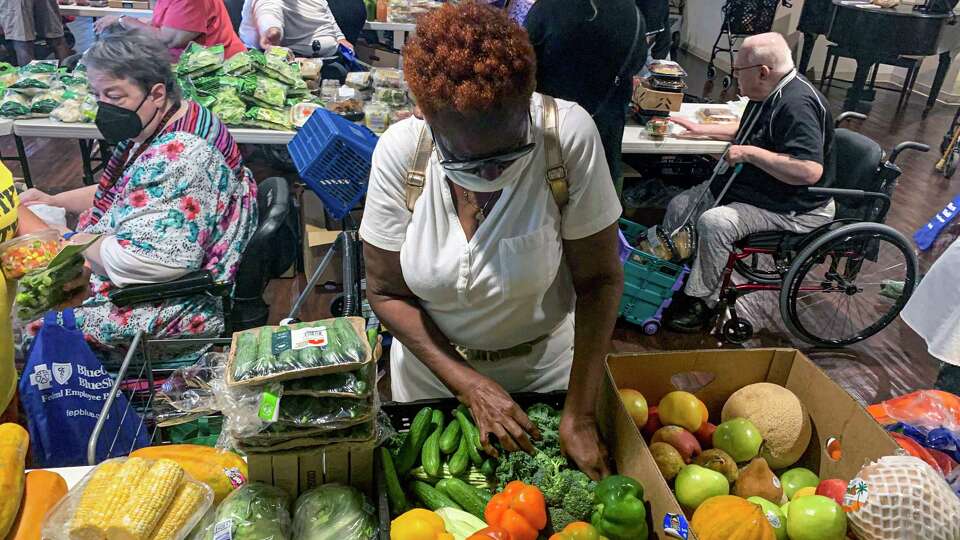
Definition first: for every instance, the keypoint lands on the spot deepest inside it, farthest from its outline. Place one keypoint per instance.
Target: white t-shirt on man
(508, 285)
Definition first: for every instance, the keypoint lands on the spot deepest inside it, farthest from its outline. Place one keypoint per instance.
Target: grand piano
(871, 34)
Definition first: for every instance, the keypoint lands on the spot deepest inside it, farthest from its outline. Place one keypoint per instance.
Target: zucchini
(450, 439)
(431, 497)
(463, 494)
(461, 458)
(395, 494)
(419, 431)
(472, 435)
(430, 456)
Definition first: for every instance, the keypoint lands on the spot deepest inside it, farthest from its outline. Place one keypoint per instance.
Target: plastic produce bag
(44, 103)
(255, 511)
(14, 105)
(78, 514)
(41, 290)
(229, 107)
(76, 108)
(188, 393)
(274, 65)
(332, 413)
(349, 384)
(8, 74)
(387, 78)
(238, 64)
(929, 409)
(334, 512)
(269, 93)
(300, 350)
(198, 60)
(267, 118)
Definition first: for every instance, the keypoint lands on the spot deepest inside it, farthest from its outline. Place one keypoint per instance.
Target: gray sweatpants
(718, 228)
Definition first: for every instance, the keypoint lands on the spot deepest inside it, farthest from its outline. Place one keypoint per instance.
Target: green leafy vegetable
(257, 512)
(334, 512)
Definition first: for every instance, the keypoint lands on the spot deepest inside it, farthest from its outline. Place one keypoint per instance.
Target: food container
(27, 253)
(667, 68)
(717, 115)
(376, 117)
(658, 127)
(328, 89)
(300, 113)
(358, 79)
(667, 84)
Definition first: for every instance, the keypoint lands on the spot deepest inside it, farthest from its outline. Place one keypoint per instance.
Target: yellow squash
(223, 471)
(14, 441)
(43, 490)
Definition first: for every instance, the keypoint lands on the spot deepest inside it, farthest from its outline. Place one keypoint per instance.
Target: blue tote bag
(63, 389)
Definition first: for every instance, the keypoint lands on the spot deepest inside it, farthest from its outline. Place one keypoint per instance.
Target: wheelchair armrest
(189, 285)
(907, 145)
(854, 194)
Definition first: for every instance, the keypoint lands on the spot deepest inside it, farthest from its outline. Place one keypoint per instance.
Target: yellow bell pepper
(419, 524)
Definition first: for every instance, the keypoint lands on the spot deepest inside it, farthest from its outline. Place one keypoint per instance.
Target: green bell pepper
(618, 510)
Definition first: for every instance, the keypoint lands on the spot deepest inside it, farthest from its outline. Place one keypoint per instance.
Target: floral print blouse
(180, 204)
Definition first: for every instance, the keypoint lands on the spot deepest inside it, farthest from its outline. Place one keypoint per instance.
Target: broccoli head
(516, 466)
(560, 518)
(578, 500)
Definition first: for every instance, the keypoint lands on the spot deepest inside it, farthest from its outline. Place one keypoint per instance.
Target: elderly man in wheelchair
(771, 200)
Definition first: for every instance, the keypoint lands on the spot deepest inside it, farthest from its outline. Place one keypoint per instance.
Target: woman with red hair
(490, 234)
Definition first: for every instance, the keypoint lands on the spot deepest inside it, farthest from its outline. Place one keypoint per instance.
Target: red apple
(705, 435)
(832, 488)
(653, 422)
(679, 438)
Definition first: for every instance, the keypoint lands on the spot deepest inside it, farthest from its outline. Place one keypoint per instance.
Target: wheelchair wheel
(760, 268)
(832, 295)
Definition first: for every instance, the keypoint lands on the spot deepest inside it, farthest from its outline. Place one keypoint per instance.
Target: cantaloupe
(902, 497)
(779, 416)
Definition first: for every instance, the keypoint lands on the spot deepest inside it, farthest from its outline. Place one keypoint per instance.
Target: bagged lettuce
(267, 118)
(45, 102)
(269, 93)
(275, 66)
(198, 60)
(238, 64)
(76, 108)
(8, 74)
(14, 105)
(334, 512)
(229, 107)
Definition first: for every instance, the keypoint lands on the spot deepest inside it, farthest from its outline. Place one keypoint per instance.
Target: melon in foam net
(779, 416)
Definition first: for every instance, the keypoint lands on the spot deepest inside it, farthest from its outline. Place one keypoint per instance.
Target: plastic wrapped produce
(130, 498)
(198, 60)
(376, 116)
(393, 97)
(42, 290)
(14, 105)
(387, 78)
(28, 253)
(75, 108)
(229, 107)
(43, 103)
(255, 511)
(8, 74)
(301, 112)
(238, 64)
(267, 118)
(266, 93)
(301, 350)
(275, 67)
(334, 512)
(330, 412)
(358, 79)
(348, 384)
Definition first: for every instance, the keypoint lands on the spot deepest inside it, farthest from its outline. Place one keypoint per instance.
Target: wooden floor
(893, 362)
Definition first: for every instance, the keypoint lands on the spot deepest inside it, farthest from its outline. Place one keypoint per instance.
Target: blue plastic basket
(333, 156)
(648, 282)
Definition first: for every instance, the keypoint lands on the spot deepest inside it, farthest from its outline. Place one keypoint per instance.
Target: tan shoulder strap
(417, 174)
(556, 173)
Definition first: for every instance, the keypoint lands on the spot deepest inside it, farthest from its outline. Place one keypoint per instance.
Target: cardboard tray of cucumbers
(280, 353)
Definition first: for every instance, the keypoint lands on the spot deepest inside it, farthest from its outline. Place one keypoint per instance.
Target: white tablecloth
(47, 128)
(637, 141)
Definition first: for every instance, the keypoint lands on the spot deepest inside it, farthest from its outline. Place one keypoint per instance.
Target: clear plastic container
(377, 117)
(28, 253)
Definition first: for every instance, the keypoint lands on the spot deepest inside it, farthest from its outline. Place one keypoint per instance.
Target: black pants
(350, 16)
(610, 120)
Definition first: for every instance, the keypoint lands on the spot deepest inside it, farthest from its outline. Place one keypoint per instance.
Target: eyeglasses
(739, 69)
(500, 159)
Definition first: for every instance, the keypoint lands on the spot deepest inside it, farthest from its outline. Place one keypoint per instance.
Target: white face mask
(478, 184)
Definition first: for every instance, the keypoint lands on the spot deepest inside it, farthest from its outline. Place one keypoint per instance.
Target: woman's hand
(496, 413)
(103, 23)
(35, 196)
(580, 442)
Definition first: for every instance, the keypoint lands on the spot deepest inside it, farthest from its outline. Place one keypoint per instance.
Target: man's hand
(580, 442)
(103, 23)
(739, 153)
(496, 413)
(346, 44)
(694, 129)
(271, 38)
(35, 196)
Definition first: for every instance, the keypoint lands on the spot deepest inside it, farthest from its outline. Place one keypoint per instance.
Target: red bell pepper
(490, 533)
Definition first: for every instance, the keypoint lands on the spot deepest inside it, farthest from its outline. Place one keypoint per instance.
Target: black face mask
(117, 124)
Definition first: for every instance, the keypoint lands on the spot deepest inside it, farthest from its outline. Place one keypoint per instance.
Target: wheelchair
(840, 283)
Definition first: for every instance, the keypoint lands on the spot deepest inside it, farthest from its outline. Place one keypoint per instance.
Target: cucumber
(431, 497)
(450, 439)
(489, 468)
(419, 431)
(461, 458)
(472, 435)
(246, 354)
(463, 494)
(395, 494)
(430, 456)
(265, 357)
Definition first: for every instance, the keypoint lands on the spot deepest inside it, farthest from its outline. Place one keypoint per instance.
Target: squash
(43, 489)
(14, 441)
(222, 470)
(727, 517)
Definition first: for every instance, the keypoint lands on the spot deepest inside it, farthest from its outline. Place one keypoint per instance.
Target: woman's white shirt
(507, 285)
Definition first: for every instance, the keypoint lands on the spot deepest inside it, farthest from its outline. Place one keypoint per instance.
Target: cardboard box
(378, 56)
(317, 239)
(129, 4)
(296, 472)
(713, 375)
(649, 99)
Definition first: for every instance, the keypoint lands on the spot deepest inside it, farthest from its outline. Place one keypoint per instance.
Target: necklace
(481, 213)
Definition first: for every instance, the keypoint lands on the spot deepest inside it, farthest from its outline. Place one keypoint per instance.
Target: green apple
(816, 517)
(796, 479)
(696, 484)
(786, 510)
(739, 438)
(774, 515)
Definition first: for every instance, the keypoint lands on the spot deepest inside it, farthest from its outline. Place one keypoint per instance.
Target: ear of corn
(90, 518)
(151, 496)
(188, 500)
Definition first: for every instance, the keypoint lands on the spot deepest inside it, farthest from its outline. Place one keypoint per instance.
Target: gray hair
(770, 50)
(134, 55)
